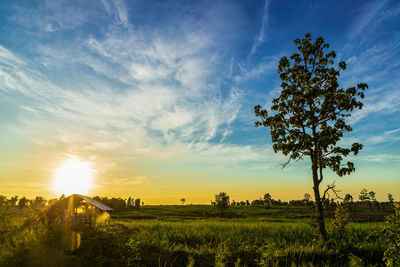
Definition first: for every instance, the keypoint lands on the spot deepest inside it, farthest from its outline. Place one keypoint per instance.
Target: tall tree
(309, 117)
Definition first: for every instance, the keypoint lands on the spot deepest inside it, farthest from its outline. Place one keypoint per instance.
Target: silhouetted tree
(309, 115)
(130, 202)
(137, 203)
(183, 200)
(22, 203)
(267, 200)
(307, 199)
(39, 202)
(12, 202)
(222, 202)
(364, 195)
(3, 201)
(371, 195)
(348, 199)
(390, 198)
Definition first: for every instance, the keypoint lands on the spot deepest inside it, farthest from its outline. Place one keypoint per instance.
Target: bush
(339, 223)
(392, 233)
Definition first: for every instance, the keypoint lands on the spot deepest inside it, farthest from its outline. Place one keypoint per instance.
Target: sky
(158, 96)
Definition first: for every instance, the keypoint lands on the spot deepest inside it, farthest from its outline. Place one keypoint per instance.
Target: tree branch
(331, 188)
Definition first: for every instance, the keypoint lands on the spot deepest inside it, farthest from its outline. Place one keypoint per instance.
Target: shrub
(339, 223)
(392, 233)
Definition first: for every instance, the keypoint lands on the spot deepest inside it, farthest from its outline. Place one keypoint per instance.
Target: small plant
(313, 223)
(392, 233)
(342, 219)
(222, 256)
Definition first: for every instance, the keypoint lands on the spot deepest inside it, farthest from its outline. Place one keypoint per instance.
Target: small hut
(79, 209)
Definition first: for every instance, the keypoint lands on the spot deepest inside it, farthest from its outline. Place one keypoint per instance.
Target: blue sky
(159, 95)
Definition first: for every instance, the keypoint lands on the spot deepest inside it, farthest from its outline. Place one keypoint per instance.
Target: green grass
(254, 242)
(195, 212)
(195, 235)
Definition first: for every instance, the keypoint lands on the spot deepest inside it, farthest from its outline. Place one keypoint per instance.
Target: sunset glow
(156, 98)
(73, 176)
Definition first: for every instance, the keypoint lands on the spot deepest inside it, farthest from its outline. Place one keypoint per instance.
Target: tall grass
(254, 243)
(200, 242)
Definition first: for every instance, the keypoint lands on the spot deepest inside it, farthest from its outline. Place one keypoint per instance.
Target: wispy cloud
(156, 94)
(260, 38)
(367, 15)
(117, 10)
(255, 72)
(372, 66)
(119, 83)
(386, 137)
(381, 158)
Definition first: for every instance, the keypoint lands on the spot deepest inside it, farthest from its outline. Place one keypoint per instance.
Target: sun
(73, 176)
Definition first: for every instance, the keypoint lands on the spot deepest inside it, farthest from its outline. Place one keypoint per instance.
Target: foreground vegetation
(194, 235)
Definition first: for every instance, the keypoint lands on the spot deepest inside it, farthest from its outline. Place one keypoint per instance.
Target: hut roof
(94, 202)
(90, 200)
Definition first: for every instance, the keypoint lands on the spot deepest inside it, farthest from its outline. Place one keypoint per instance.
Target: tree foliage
(348, 198)
(222, 202)
(364, 196)
(309, 116)
(39, 202)
(267, 200)
(392, 234)
(23, 203)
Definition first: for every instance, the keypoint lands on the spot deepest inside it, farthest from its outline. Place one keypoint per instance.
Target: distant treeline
(40, 202)
(366, 199)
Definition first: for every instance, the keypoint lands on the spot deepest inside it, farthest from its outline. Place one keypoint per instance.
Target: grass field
(194, 235)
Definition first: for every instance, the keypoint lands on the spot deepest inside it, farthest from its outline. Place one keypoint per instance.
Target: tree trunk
(319, 208)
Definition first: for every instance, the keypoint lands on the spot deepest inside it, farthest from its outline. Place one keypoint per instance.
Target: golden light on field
(73, 176)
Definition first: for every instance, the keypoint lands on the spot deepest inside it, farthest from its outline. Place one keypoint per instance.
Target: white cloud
(381, 158)
(372, 65)
(147, 94)
(368, 13)
(257, 71)
(386, 137)
(393, 131)
(49, 28)
(260, 38)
